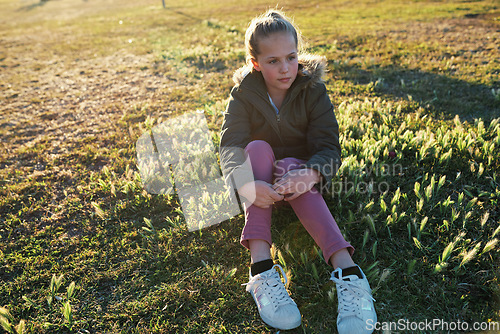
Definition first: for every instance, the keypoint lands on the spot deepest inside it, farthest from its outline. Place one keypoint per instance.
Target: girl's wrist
(316, 174)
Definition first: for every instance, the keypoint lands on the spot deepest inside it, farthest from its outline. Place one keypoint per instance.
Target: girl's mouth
(284, 80)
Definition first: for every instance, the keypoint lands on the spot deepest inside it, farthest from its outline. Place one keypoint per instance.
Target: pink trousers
(309, 207)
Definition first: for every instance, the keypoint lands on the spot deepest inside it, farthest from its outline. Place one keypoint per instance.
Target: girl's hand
(296, 182)
(260, 194)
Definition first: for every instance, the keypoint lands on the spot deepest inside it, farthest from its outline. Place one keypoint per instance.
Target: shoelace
(272, 282)
(348, 292)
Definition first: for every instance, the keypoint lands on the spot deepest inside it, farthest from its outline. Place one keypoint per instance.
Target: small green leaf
(417, 243)
(70, 290)
(21, 327)
(440, 266)
(490, 245)
(420, 205)
(484, 218)
(470, 254)
(314, 271)
(496, 231)
(231, 273)
(471, 203)
(395, 198)
(5, 324)
(416, 189)
(374, 249)
(365, 238)
(447, 252)
(442, 179)
(428, 191)
(371, 223)
(411, 266)
(67, 312)
(423, 222)
(383, 206)
(6, 314)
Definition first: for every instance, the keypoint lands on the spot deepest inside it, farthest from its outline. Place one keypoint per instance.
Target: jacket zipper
(278, 119)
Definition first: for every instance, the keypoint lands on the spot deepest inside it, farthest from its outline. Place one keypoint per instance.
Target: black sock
(261, 266)
(351, 271)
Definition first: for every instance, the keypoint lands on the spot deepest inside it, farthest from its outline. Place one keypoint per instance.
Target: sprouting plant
(484, 218)
(67, 312)
(442, 179)
(489, 246)
(429, 190)
(417, 243)
(416, 189)
(443, 258)
(374, 249)
(447, 252)
(496, 93)
(314, 271)
(411, 266)
(365, 238)
(468, 256)
(420, 205)
(444, 158)
(396, 197)
(386, 274)
(149, 229)
(6, 320)
(66, 308)
(281, 259)
(423, 222)
(371, 223)
(55, 284)
(383, 205)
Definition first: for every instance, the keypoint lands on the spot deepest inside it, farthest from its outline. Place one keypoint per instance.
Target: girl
(280, 142)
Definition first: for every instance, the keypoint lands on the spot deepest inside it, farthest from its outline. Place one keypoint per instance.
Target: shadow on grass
(35, 5)
(442, 96)
(173, 9)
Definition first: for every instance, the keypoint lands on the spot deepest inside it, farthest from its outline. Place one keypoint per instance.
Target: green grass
(417, 94)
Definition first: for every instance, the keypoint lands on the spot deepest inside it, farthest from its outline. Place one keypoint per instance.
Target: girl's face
(278, 62)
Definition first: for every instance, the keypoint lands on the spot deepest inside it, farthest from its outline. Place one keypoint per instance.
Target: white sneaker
(275, 306)
(355, 310)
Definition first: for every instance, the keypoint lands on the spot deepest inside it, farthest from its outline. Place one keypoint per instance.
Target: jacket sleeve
(234, 137)
(323, 137)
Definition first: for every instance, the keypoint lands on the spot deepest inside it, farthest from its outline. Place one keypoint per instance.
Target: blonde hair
(273, 21)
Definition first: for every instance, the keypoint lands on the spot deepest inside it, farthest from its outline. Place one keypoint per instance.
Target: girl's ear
(255, 64)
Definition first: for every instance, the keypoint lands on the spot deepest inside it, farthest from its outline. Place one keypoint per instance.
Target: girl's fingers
(277, 185)
(277, 197)
(292, 197)
(281, 186)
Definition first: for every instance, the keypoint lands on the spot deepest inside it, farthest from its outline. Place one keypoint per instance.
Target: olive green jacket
(305, 128)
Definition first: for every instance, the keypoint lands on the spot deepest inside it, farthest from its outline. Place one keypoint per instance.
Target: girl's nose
(284, 68)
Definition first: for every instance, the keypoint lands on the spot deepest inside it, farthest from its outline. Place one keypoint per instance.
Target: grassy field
(85, 249)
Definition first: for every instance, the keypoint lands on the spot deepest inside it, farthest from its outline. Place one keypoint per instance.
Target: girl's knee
(258, 145)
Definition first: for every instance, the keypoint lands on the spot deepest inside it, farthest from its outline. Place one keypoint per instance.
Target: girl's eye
(272, 61)
(291, 58)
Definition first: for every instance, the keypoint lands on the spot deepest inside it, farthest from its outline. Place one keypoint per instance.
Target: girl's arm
(323, 137)
(234, 137)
